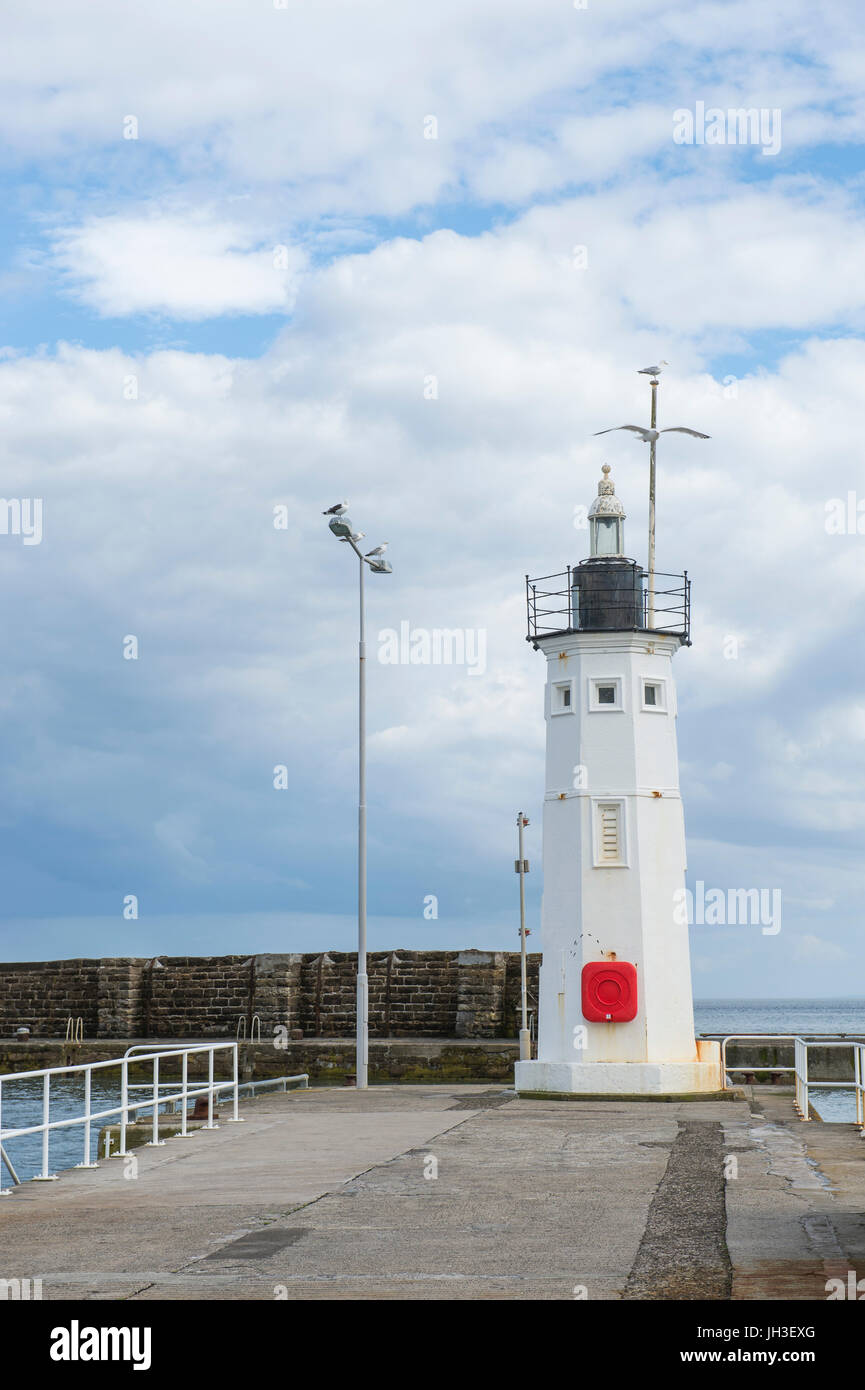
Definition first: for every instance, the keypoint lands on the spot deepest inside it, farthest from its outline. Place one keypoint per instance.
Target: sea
(803, 1016)
(22, 1100)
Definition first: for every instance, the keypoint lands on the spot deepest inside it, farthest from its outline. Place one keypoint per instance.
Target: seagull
(651, 436)
(653, 371)
(379, 550)
(336, 510)
(355, 536)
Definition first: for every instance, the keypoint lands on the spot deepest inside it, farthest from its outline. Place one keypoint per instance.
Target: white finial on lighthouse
(606, 519)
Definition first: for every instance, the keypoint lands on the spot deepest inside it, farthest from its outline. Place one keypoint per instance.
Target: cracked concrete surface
(326, 1194)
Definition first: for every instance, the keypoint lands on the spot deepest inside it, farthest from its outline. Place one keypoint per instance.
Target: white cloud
(330, 101)
(183, 265)
(158, 521)
(817, 948)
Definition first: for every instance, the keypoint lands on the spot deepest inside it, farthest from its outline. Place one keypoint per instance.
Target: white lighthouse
(615, 1009)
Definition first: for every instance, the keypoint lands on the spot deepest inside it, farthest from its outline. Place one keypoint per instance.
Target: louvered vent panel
(610, 837)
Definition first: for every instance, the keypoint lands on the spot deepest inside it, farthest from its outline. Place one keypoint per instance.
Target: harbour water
(780, 1016)
(804, 1016)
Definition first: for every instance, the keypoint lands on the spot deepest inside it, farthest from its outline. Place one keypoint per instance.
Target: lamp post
(653, 425)
(650, 436)
(522, 868)
(342, 528)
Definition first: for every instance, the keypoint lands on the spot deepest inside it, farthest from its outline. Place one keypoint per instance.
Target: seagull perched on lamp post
(651, 436)
(379, 550)
(336, 510)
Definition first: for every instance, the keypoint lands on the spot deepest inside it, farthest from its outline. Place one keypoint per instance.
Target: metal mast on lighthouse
(615, 1006)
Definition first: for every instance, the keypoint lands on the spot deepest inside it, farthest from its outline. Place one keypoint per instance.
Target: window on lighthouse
(562, 701)
(605, 693)
(654, 697)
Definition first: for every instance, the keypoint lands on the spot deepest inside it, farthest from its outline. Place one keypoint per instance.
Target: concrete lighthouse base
(625, 1078)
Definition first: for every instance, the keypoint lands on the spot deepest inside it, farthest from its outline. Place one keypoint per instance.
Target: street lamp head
(341, 526)
(381, 567)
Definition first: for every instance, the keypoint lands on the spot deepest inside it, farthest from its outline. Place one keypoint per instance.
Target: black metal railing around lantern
(598, 597)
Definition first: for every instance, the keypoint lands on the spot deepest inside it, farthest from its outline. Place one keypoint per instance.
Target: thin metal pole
(4, 1191)
(653, 425)
(155, 1141)
(210, 1124)
(155, 1134)
(124, 1102)
(362, 982)
(525, 1038)
(362, 1007)
(86, 1163)
(806, 1099)
(45, 1176)
(184, 1099)
(235, 1073)
(46, 1110)
(87, 1108)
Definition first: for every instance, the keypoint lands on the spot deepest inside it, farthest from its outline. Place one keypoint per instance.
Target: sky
(257, 258)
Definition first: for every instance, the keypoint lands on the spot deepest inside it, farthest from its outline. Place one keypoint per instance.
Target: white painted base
(619, 1078)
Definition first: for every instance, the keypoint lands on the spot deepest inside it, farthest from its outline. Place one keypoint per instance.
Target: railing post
(184, 1087)
(87, 1111)
(46, 1116)
(235, 1119)
(45, 1176)
(210, 1124)
(155, 1140)
(1, 1139)
(687, 607)
(807, 1105)
(802, 1079)
(124, 1106)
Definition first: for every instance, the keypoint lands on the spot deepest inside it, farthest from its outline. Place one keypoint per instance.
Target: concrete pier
(458, 1192)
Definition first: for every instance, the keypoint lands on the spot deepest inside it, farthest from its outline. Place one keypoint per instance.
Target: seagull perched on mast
(653, 371)
(336, 510)
(651, 436)
(379, 550)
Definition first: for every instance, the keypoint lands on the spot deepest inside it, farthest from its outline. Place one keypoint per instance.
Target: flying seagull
(336, 510)
(653, 371)
(379, 550)
(651, 436)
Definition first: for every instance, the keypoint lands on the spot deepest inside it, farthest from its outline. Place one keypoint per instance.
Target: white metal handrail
(250, 1086)
(802, 1085)
(753, 1037)
(74, 1029)
(155, 1054)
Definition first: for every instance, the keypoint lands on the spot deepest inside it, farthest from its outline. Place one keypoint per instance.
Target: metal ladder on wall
(74, 1029)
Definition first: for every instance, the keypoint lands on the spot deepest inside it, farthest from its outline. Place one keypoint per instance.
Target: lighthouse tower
(615, 1008)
